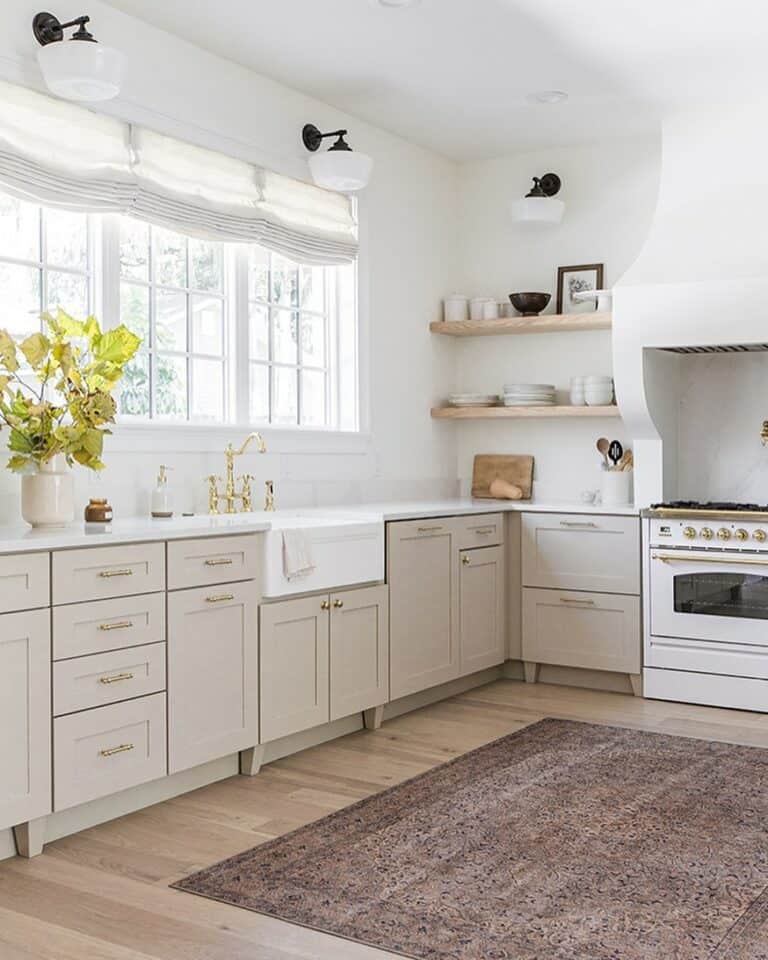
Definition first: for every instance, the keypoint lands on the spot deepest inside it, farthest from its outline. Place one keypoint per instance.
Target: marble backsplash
(723, 402)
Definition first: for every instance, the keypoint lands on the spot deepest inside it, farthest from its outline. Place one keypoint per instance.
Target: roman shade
(62, 155)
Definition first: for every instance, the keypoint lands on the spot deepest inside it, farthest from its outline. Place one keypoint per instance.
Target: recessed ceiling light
(547, 96)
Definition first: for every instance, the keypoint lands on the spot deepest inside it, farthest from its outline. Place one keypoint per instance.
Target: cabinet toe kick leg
(30, 837)
(251, 761)
(636, 679)
(531, 671)
(373, 718)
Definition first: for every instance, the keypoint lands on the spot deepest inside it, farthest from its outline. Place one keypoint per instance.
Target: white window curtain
(62, 155)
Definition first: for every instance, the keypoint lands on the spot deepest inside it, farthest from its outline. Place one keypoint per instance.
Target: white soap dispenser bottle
(162, 506)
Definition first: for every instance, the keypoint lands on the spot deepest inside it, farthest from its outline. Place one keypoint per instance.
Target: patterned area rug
(563, 841)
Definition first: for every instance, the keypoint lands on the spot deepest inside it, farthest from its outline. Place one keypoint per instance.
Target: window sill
(134, 437)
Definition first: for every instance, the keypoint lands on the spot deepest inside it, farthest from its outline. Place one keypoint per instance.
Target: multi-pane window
(45, 262)
(290, 332)
(230, 334)
(173, 295)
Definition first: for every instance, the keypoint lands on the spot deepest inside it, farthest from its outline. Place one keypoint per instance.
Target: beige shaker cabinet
(422, 562)
(359, 650)
(25, 717)
(213, 668)
(482, 637)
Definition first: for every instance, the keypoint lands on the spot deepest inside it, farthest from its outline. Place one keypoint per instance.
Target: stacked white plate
(473, 399)
(529, 395)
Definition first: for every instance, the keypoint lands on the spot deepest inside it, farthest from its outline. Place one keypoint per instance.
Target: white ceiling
(452, 75)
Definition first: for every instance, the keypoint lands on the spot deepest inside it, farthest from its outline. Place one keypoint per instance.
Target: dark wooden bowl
(530, 304)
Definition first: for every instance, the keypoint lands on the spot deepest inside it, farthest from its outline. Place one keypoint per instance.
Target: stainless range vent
(720, 348)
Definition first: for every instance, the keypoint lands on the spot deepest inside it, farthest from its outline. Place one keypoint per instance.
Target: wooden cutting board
(513, 468)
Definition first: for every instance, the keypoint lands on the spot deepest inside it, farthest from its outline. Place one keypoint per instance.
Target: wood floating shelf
(510, 413)
(551, 323)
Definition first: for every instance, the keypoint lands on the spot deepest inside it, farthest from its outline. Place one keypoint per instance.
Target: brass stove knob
(707, 533)
(689, 533)
(742, 534)
(760, 536)
(723, 533)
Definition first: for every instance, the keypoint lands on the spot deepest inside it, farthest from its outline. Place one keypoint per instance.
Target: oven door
(707, 596)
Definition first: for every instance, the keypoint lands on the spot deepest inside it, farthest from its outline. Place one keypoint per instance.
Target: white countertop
(20, 538)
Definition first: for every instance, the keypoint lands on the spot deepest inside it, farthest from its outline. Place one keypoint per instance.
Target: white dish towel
(297, 555)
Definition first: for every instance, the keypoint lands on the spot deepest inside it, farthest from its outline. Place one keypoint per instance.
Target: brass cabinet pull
(116, 678)
(338, 604)
(587, 524)
(585, 603)
(325, 605)
(485, 531)
(466, 561)
(430, 529)
(113, 751)
(221, 598)
(116, 573)
(221, 562)
(693, 558)
(120, 625)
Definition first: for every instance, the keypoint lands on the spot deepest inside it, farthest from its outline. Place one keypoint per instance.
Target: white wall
(409, 224)
(610, 194)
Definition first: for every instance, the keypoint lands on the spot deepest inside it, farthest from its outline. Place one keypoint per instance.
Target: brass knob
(689, 533)
(723, 533)
(466, 561)
(742, 535)
(707, 533)
(338, 604)
(325, 605)
(760, 536)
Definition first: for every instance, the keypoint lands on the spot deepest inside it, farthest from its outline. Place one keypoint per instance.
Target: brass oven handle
(113, 751)
(221, 598)
(116, 678)
(116, 573)
(586, 603)
(120, 625)
(589, 524)
(222, 562)
(672, 558)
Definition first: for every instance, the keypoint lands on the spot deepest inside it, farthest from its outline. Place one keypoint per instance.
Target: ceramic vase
(47, 496)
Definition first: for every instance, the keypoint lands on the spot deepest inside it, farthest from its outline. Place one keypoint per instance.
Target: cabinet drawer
(204, 562)
(592, 630)
(103, 751)
(485, 530)
(104, 678)
(97, 573)
(80, 629)
(581, 552)
(24, 581)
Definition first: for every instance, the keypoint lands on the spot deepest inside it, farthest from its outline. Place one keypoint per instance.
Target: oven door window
(713, 594)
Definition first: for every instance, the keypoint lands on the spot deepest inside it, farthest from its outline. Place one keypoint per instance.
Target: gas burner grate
(694, 506)
(720, 348)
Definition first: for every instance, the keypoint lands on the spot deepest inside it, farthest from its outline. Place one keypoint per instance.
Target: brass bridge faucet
(231, 495)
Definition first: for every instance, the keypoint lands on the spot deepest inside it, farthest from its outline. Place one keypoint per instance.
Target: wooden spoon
(603, 445)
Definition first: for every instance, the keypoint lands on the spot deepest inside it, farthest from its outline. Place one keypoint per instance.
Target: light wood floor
(103, 894)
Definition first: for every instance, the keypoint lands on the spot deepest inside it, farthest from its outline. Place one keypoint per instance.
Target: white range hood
(700, 283)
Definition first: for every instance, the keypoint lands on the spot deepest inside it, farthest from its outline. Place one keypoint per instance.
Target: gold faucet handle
(245, 495)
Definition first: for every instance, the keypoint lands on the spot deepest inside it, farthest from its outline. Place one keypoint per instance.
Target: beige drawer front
(80, 629)
(592, 630)
(104, 678)
(97, 573)
(581, 552)
(209, 560)
(24, 581)
(103, 751)
(483, 530)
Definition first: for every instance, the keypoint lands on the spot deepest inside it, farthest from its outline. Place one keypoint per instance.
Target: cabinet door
(481, 609)
(423, 605)
(213, 663)
(294, 666)
(25, 717)
(359, 651)
(581, 552)
(595, 631)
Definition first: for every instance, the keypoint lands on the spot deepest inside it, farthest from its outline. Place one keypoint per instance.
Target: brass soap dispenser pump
(162, 505)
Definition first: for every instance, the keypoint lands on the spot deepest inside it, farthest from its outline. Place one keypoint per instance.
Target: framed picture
(572, 280)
